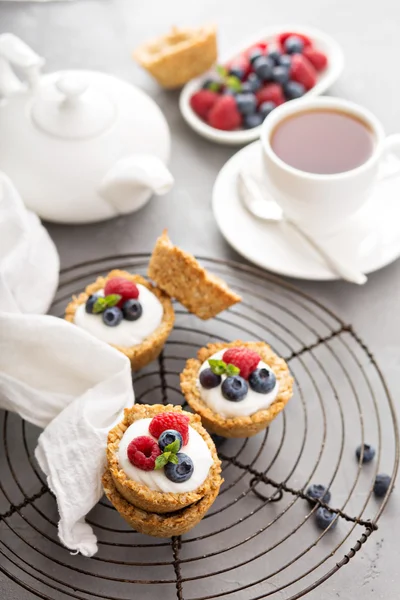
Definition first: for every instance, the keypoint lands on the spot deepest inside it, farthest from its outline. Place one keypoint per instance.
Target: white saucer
(371, 239)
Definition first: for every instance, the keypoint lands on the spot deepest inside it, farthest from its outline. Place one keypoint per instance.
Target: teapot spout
(132, 180)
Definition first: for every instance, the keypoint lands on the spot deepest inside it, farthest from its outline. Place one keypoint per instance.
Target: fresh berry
(246, 103)
(224, 114)
(132, 310)
(265, 108)
(285, 60)
(275, 56)
(282, 37)
(316, 491)
(251, 121)
(237, 71)
(180, 472)
(280, 74)
(202, 102)
(112, 316)
(294, 90)
(271, 92)
(293, 45)
(246, 87)
(254, 54)
(170, 420)
(263, 67)
(254, 82)
(90, 302)
(239, 62)
(169, 436)
(126, 289)
(367, 451)
(318, 59)
(234, 388)
(302, 71)
(243, 358)
(209, 380)
(262, 380)
(324, 518)
(142, 452)
(381, 485)
(212, 84)
(229, 92)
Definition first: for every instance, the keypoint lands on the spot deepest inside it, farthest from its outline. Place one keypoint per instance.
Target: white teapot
(80, 146)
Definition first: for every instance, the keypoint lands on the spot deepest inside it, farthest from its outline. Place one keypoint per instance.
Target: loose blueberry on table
(325, 518)
(316, 492)
(120, 301)
(367, 451)
(381, 485)
(273, 72)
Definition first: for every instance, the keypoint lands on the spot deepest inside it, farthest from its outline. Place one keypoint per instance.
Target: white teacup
(323, 203)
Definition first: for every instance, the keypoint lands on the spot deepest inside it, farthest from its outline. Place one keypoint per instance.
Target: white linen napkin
(29, 262)
(58, 376)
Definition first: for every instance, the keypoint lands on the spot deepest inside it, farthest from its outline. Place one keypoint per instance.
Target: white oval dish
(321, 41)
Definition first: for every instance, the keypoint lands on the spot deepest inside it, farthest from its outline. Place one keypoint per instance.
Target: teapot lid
(70, 108)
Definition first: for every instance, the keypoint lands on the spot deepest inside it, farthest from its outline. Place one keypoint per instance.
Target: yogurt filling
(196, 448)
(127, 333)
(253, 401)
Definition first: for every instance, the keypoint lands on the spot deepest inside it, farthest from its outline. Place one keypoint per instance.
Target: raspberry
(142, 452)
(302, 71)
(272, 92)
(282, 37)
(243, 358)
(170, 420)
(317, 59)
(202, 102)
(262, 46)
(241, 62)
(118, 285)
(224, 114)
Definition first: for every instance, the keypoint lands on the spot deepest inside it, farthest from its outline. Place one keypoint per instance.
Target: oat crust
(180, 276)
(144, 353)
(237, 427)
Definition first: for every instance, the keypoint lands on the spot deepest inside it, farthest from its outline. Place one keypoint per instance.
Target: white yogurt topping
(196, 448)
(253, 401)
(127, 333)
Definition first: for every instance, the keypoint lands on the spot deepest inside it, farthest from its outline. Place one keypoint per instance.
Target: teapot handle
(14, 52)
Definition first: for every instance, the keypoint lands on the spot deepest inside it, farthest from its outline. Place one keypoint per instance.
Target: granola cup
(176, 58)
(180, 276)
(139, 495)
(237, 427)
(144, 353)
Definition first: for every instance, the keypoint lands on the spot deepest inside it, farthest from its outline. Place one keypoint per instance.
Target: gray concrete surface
(100, 34)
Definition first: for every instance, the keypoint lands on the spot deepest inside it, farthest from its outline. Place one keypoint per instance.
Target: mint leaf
(233, 83)
(173, 447)
(100, 305)
(161, 461)
(221, 71)
(232, 370)
(173, 459)
(112, 300)
(218, 367)
(214, 86)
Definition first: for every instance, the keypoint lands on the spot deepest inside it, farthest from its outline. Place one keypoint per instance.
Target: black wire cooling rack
(259, 540)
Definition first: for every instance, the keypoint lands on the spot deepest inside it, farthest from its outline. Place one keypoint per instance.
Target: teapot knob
(72, 88)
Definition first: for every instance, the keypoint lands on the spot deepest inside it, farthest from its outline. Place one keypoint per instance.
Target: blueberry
(229, 92)
(132, 310)
(254, 54)
(90, 302)
(367, 451)
(294, 90)
(251, 121)
(266, 107)
(294, 45)
(180, 472)
(381, 485)
(316, 491)
(262, 381)
(324, 517)
(236, 71)
(212, 84)
(169, 436)
(275, 55)
(280, 74)
(254, 82)
(112, 316)
(209, 380)
(234, 388)
(246, 87)
(246, 103)
(285, 60)
(263, 67)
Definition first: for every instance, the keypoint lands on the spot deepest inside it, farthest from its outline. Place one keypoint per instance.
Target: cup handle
(390, 164)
